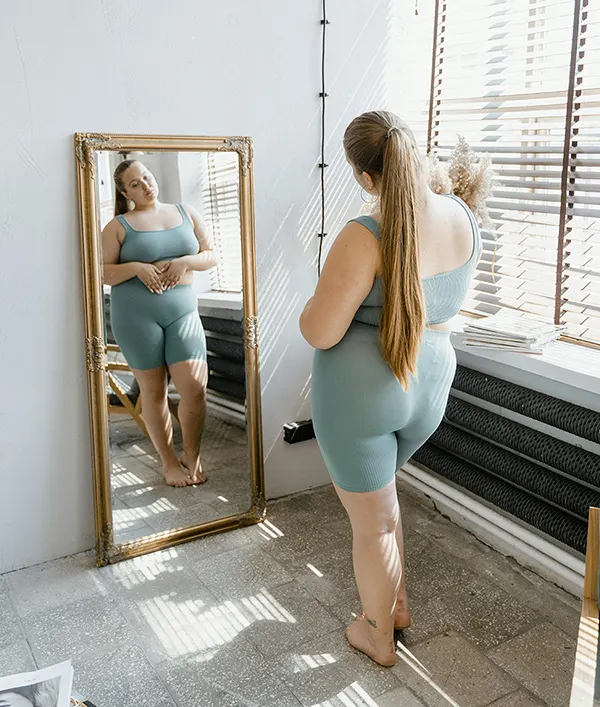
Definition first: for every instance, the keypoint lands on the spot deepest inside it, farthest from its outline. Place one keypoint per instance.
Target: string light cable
(323, 95)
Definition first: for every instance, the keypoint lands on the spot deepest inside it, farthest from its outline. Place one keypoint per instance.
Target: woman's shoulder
(452, 228)
(190, 211)
(359, 240)
(364, 222)
(459, 208)
(114, 227)
(110, 225)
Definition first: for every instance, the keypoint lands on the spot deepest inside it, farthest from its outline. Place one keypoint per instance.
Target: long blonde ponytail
(380, 144)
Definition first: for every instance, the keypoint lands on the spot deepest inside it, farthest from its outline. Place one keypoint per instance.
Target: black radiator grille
(226, 358)
(557, 413)
(541, 480)
(559, 525)
(527, 475)
(573, 461)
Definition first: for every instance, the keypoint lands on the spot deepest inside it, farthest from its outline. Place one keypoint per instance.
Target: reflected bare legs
(156, 414)
(374, 517)
(190, 379)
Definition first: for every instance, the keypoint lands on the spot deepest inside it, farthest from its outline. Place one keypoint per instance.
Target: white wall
(247, 68)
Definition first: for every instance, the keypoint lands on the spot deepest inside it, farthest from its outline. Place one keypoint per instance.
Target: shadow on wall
(287, 272)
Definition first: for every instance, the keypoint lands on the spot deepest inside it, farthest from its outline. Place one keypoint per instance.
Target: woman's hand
(172, 271)
(150, 275)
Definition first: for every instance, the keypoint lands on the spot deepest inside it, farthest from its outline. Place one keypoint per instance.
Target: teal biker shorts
(156, 330)
(367, 427)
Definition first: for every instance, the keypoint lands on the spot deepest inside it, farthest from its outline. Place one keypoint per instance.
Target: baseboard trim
(226, 410)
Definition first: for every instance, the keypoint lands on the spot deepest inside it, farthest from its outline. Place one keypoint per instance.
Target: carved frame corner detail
(243, 146)
(104, 547)
(88, 143)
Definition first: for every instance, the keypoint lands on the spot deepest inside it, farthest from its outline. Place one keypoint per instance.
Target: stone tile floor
(255, 617)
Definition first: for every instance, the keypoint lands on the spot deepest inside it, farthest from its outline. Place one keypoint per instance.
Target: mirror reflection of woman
(150, 252)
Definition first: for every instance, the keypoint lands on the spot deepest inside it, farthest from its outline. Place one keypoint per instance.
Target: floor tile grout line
(140, 644)
(447, 520)
(20, 621)
(529, 627)
(89, 552)
(105, 650)
(521, 689)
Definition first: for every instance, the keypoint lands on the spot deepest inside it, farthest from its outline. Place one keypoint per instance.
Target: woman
(150, 253)
(384, 363)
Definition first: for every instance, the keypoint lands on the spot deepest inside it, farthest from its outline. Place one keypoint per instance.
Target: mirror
(171, 338)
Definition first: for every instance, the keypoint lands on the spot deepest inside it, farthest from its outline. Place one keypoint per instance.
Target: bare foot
(362, 636)
(402, 615)
(402, 618)
(196, 477)
(176, 477)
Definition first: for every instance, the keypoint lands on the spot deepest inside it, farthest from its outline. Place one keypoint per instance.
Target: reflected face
(140, 185)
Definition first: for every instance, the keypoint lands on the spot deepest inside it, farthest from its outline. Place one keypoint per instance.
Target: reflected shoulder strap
(183, 212)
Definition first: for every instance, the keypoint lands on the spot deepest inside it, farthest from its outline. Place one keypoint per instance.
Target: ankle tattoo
(371, 622)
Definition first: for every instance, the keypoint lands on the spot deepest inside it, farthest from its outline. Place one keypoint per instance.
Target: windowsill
(572, 365)
(216, 300)
(221, 300)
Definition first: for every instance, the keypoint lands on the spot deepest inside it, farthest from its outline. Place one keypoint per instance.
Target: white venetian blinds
(519, 83)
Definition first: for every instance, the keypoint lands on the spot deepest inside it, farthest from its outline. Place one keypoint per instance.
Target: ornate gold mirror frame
(86, 147)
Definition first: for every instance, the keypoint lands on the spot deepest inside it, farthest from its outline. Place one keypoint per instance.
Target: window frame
(568, 154)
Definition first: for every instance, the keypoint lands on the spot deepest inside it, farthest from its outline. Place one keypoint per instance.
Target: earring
(372, 200)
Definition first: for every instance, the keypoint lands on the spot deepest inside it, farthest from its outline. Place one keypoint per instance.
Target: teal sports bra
(444, 293)
(166, 244)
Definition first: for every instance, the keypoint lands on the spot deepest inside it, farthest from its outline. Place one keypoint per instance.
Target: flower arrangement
(467, 175)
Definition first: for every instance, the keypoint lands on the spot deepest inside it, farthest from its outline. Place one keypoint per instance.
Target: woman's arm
(347, 278)
(114, 272)
(205, 259)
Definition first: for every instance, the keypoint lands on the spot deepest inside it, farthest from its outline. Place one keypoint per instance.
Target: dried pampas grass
(467, 175)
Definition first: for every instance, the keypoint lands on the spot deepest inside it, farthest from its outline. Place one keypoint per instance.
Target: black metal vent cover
(526, 475)
(549, 519)
(573, 461)
(543, 481)
(565, 416)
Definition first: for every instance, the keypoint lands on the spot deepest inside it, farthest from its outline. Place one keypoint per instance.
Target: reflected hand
(172, 272)
(150, 275)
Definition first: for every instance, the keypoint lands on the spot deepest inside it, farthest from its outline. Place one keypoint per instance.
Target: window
(221, 208)
(520, 79)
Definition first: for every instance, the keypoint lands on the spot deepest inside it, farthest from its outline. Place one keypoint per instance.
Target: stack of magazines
(509, 333)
